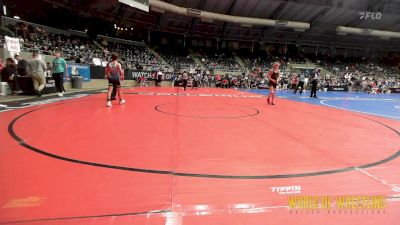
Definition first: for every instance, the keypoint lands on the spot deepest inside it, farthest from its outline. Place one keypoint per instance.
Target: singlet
(113, 70)
(274, 75)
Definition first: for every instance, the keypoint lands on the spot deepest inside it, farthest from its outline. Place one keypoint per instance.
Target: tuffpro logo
(287, 190)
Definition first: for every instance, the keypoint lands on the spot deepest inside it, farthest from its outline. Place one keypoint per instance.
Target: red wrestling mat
(207, 156)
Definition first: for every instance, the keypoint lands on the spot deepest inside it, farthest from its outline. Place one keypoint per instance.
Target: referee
(314, 81)
(184, 80)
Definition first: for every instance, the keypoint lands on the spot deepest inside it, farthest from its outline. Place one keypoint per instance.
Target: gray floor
(11, 98)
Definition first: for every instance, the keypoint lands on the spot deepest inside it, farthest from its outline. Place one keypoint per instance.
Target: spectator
(1, 64)
(59, 69)
(78, 59)
(173, 79)
(185, 78)
(21, 65)
(9, 74)
(49, 69)
(293, 82)
(206, 82)
(159, 78)
(36, 69)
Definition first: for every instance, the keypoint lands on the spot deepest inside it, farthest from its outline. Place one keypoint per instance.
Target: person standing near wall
(1, 64)
(21, 65)
(185, 78)
(159, 78)
(9, 74)
(206, 81)
(59, 69)
(49, 69)
(36, 68)
(173, 79)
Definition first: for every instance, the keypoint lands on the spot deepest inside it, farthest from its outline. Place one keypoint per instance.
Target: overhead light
(281, 23)
(126, 28)
(154, 9)
(368, 32)
(193, 12)
(131, 28)
(246, 25)
(206, 20)
(142, 5)
(299, 30)
(17, 17)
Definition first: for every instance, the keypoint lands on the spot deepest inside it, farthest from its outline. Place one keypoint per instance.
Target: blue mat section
(386, 105)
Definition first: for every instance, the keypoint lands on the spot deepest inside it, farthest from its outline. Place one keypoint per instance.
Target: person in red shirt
(142, 80)
(9, 74)
(218, 81)
(1, 64)
(293, 82)
(225, 83)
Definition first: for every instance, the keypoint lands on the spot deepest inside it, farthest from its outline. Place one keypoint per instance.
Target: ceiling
(323, 15)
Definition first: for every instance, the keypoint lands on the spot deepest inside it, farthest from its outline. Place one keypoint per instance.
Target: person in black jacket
(9, 74)
(159, 76)
(21, 66)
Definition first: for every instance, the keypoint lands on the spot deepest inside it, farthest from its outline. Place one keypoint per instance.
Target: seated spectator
(9, 74)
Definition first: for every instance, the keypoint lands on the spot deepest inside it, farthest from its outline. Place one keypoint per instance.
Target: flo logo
(287, 190)
(368, 15)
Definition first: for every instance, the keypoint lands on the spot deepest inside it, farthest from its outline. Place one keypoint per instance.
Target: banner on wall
(76, 69)
(394, 90)
(13, 44)
(134, 74)
(338, 88)
(98, 72)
